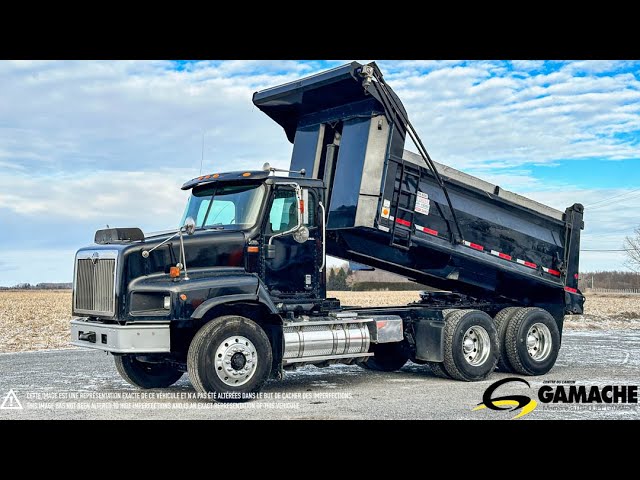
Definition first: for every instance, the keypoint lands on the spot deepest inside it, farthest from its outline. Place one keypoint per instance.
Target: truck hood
(205, 249)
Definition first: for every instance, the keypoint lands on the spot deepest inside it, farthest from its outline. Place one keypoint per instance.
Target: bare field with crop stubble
(34, 319)
(39, 319)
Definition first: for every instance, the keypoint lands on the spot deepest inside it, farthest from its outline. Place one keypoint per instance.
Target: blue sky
(83, 144)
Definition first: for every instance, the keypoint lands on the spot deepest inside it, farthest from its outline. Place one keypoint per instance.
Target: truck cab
(280, 222)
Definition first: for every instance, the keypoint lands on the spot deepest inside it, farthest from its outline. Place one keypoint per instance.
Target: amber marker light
(215, 175)
(174, 272)
(246, 174)
(253, 249)
(183, 297)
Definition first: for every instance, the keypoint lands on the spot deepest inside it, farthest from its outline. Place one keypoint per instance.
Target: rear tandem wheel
(471, 346)
(532, 341)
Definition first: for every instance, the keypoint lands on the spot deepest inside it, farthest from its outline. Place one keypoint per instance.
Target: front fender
(205, 289)
(261, 297)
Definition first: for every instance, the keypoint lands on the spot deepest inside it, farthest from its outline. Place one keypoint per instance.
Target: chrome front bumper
(146, 338)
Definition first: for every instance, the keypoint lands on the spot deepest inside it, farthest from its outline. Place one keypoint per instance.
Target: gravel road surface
(83, 384)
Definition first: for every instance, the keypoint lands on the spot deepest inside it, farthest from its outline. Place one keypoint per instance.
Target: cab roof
(246, 175)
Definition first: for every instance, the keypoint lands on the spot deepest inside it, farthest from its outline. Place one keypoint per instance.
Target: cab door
(293, 270)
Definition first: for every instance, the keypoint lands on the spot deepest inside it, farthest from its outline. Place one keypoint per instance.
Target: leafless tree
(614, 279)
(632, 246)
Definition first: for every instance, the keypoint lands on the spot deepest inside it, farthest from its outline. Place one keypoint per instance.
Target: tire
(438, 369)
(471, 346)
(146, 375)
(501, 321)
(532, 341)
(388, 357)
(230, 357)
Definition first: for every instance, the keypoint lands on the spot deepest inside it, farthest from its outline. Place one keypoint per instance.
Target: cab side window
(284, 216)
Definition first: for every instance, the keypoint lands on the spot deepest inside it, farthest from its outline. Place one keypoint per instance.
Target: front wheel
(146, 374)
(230, 357)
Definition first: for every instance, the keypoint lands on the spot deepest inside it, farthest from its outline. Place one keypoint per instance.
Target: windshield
(225, 206)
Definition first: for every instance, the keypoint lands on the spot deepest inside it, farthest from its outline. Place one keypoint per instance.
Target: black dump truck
(237, 295)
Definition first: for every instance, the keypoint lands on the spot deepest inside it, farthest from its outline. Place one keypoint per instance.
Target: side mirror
(301, 235)
(189, 225)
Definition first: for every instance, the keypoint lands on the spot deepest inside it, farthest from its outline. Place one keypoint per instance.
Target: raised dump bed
(388, 209)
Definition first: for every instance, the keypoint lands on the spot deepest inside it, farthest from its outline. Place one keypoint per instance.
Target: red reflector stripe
(501, 255)
(427, 230)
(403, 222)
(475, 246)
(552, 272)
(526, 263)
(572, 290)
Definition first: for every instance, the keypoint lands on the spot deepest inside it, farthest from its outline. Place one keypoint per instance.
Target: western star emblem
(95, 257)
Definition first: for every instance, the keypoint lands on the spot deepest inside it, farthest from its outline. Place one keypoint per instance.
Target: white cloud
(104, 196)
(527, 65)
(85, 143)
(594, 66)
(469, 117)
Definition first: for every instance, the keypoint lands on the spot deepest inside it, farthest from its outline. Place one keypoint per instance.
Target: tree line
(337, 279)
(341, 279)
(39, 286)
(614, 279)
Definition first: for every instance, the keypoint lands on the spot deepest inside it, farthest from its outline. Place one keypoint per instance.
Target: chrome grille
(94, 286)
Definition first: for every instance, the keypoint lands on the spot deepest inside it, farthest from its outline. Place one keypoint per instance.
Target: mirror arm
(183, 256)
(187, 227)
(145, 253)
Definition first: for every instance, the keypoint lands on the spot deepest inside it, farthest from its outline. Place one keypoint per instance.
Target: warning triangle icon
(11, 402)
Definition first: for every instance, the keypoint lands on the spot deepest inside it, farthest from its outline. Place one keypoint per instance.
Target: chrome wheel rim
(539, 342)
(236, 360)
(476, 346)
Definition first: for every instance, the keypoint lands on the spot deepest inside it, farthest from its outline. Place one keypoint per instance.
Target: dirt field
(34, 319)
(39, 319)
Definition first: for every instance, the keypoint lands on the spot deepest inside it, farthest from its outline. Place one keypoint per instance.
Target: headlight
(167, 303)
